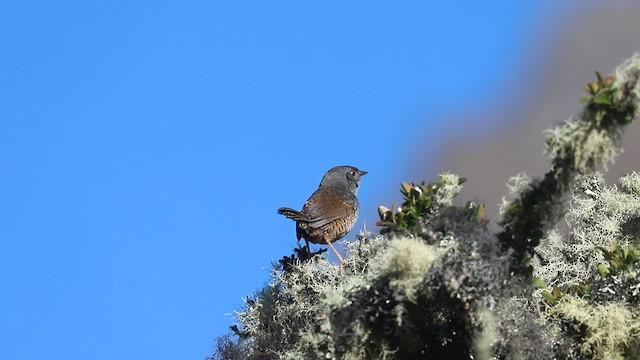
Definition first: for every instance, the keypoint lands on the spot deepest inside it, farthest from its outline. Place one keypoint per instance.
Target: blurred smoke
(505, 136)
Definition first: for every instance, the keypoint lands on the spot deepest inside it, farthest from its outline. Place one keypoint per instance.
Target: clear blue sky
(147, 145)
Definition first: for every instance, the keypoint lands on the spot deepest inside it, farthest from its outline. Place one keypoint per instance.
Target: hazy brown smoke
(563, 59)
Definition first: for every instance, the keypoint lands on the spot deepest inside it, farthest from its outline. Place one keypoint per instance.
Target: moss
(628, 82)
(610, 331)
(450, 185)
(582, 142)
(406, 263)
(485, 339)
(599, 216)
(356, 312)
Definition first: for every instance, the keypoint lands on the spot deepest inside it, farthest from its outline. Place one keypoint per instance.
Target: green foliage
(620, 259)
(421, 201)
(418, 203)
(602, 103)
(553, 296)
(600, 92)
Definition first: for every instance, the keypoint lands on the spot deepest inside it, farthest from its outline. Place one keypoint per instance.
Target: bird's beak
(363, 173)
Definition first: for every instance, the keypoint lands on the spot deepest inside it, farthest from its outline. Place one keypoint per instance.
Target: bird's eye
(352, 173)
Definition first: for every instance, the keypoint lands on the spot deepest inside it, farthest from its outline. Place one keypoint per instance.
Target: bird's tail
(292, 214)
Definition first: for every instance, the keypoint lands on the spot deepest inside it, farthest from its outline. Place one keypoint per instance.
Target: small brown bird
(331, 211)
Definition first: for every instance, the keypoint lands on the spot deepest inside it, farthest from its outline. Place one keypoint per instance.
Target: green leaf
(547, 295)
(603, 271)
(614, 246)
(406, 187)
(538, 283)
(382, 212)
(603, 99)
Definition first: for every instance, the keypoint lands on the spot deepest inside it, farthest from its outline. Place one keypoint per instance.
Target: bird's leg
(339, 257)
(307, 247)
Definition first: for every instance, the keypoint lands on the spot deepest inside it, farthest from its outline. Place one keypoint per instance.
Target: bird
(331, 211)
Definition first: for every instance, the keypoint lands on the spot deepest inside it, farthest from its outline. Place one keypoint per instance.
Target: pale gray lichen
(449, 188)
(611, 331)
(584, 143)
(596, 218)
(516, 186)
(628, 81)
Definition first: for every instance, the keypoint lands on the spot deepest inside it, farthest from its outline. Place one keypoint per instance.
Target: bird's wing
(322, 208)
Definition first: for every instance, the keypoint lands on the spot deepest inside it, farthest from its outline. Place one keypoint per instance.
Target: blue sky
(147, 145)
